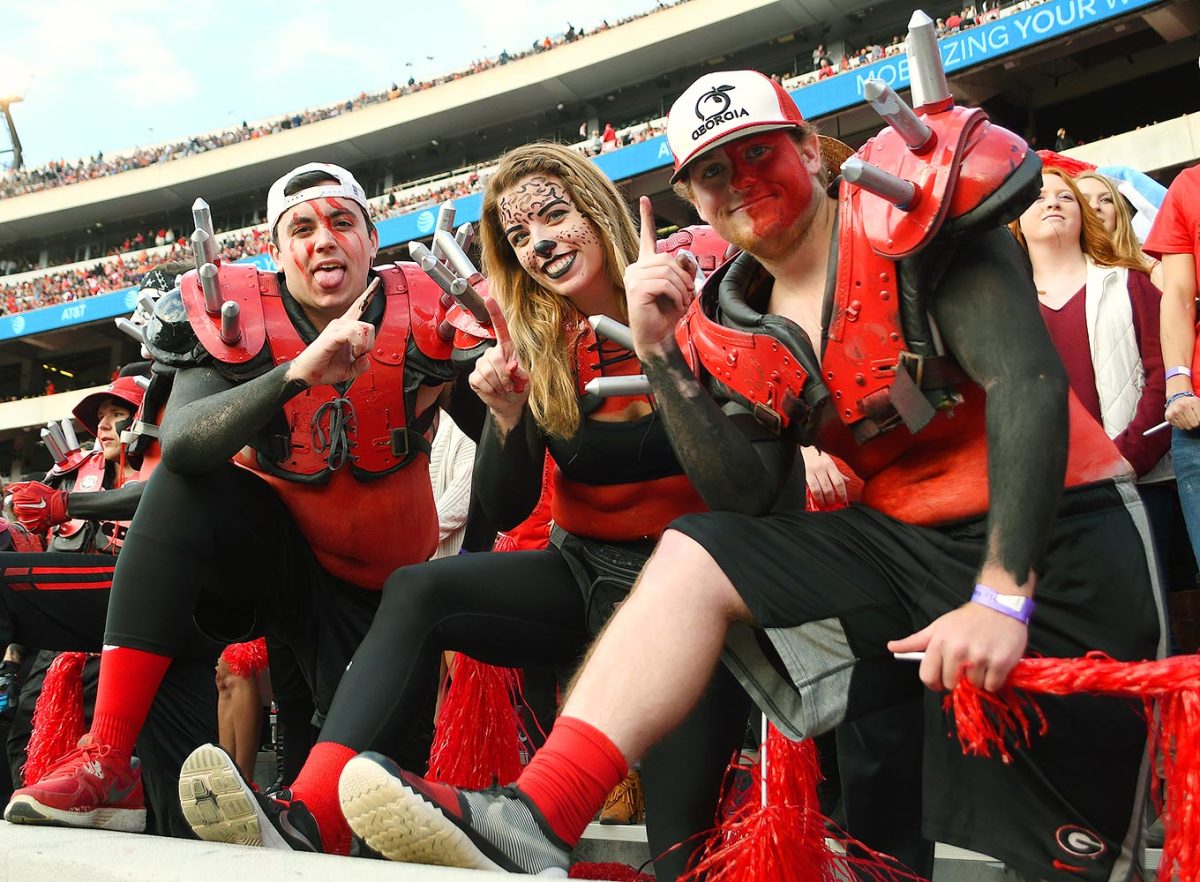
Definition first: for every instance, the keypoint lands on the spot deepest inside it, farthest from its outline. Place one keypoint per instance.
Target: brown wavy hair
(544, 325)
(1094, 240)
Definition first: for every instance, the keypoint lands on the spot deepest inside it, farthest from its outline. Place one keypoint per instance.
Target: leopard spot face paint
(554, 241)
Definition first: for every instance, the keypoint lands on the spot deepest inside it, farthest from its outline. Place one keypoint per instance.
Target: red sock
(572, 775)
(129, 679)
(317, 787)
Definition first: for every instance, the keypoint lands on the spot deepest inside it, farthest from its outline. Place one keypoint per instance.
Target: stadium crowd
(59, 173)
(124, 267)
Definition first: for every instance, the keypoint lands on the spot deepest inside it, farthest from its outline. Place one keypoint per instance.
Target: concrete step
(52, 853)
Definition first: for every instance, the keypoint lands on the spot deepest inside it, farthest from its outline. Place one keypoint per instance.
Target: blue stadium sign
(80, 312)
(987, 42)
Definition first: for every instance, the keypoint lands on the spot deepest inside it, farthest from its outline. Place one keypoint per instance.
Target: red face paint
(753, 189)
(325, 251)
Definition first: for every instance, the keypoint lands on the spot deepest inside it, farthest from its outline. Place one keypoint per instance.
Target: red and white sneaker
(93, 786)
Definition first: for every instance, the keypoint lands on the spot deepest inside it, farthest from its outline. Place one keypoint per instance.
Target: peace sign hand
(498, 378)
(658, 290)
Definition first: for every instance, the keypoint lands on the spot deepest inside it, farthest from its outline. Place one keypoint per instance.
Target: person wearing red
(556, 239)
(983, 480)
(57, 600)
(1102, 314)
(1175, 240)
(294, 478)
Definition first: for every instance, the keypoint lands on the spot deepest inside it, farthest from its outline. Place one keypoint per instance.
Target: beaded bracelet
(1173, 398)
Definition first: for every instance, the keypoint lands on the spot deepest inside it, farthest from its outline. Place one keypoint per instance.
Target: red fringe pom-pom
(476, 743)
(57, 716)
(610, 870)
(1170, 690)
(786, 840)
(246, 659)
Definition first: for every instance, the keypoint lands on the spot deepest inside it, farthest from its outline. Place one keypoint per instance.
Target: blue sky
(117, 74)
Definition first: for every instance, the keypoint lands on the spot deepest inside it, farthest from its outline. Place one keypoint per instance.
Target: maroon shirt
(1068, 330)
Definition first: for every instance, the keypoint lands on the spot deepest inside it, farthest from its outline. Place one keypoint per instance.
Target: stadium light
(5, 103)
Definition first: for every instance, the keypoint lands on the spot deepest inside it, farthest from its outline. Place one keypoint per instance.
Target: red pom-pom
(57, 716)
(476, 742)
(610, 870)
(785, 839)
(1170, 689)
(246, 659)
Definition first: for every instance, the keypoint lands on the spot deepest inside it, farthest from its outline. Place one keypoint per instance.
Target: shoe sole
(400, 823)
(219, 805)
(27, 810)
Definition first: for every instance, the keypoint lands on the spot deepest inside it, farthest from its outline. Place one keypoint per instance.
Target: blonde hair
(1094, 240)
(545, 325)
(1124, 239)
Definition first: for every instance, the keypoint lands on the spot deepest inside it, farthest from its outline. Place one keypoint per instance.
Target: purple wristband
(1178, 371)
(1015, 606)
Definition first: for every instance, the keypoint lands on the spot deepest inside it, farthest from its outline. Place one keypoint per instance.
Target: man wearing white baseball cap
(294, 480)
(823, 330)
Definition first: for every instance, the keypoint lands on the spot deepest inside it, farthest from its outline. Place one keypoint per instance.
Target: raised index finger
(499, 323)
(362, 301)
(648, 233)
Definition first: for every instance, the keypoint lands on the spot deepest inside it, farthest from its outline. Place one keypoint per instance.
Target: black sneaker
(220, 806)
(406, 818)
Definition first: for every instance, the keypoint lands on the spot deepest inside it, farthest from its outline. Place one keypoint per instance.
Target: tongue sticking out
(329, 278)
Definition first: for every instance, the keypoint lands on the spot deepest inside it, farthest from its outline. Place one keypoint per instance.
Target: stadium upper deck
(1027, 66)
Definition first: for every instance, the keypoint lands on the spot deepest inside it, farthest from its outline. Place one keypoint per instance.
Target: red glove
(37, 506)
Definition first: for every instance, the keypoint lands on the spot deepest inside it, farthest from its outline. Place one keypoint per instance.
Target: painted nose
(544, 247)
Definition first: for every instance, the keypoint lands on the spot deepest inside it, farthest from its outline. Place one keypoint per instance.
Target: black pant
(221, 552)
(58, 601)
(524, 609)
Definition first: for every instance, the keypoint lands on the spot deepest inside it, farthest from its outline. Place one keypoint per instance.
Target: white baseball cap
(722, 107)
(346, 186)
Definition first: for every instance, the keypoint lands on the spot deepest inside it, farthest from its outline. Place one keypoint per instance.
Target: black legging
(221, 551)
(524, 609)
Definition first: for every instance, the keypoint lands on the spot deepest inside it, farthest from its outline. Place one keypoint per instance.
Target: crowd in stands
(62, 172)
(66, 285)
(119, 272)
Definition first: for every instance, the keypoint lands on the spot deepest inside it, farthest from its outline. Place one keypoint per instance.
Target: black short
(829, 591)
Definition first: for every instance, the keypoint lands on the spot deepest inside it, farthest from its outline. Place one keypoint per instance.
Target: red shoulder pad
(896, 232)
(244, 284)
(989, 158)
(425, 308)
(756, 366)
(708, 247)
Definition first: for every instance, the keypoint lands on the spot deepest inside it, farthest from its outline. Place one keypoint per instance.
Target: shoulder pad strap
(245, 285)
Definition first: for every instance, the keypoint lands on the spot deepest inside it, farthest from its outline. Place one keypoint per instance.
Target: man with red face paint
(822, 327)
(294, 479)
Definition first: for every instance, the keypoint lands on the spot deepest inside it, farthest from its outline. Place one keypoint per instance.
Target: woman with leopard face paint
(556, 239)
